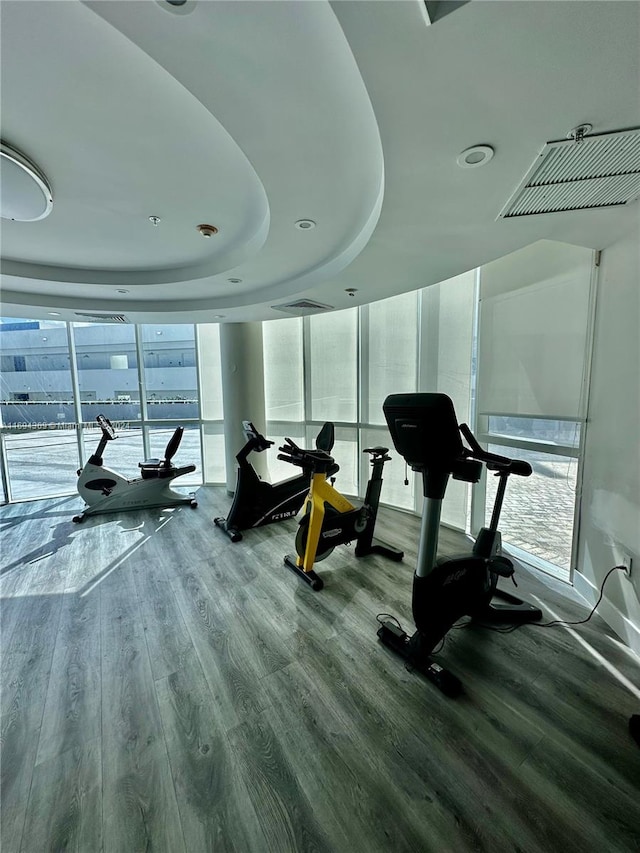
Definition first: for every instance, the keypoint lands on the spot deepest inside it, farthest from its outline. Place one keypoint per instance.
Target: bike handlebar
(493, 461)
(108, 431)
(318, 460)
(256, 439)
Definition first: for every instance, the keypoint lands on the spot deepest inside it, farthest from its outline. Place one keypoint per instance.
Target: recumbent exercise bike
(425, 431)
(104, 490)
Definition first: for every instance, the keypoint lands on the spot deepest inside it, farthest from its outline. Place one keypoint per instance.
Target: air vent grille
(599, 171)
(306, 306)
(102, 318)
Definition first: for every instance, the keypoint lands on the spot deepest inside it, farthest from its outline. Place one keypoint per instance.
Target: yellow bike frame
(320, 493)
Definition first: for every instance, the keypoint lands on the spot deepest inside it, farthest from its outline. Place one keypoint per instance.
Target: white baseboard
(612, 615)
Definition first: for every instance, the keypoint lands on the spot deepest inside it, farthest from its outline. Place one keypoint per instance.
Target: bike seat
(151, 468)
(378, 454)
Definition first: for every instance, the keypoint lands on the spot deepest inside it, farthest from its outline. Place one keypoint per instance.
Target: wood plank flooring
(164, 689)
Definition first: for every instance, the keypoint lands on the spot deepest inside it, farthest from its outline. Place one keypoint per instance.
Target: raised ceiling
(252, 116)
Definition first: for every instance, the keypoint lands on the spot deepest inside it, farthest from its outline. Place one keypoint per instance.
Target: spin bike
(256, 502)
(425, 431)
(329, 519)
(104, 490)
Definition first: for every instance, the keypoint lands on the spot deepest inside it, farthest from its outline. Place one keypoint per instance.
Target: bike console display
(425, 431)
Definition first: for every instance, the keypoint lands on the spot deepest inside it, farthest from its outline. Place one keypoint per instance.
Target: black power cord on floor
(634, 722)
(512, 628)
(555, 621)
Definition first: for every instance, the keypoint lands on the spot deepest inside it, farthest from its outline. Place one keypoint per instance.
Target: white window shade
(283, 370)
(208, 342)
(333, 349)
(455, 339)
(447, 334)
(392, 351)
(533, 332)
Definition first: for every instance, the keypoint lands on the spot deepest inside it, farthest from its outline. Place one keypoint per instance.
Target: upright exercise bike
(425, 431)
(329, 519)
(104, 490)
(256, 502)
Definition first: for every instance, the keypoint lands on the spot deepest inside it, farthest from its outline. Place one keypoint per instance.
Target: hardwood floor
(164, 689)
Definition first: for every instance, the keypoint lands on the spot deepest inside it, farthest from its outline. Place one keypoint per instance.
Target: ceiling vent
(437, 9)
(102, 318)
(306, 306)
(580, 173)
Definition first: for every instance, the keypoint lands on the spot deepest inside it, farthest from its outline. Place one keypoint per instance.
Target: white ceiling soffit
(150, 121)
(602, 170)
(253, 115)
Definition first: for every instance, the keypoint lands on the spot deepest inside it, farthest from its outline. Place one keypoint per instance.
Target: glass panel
(456, 505)
(170, 372)
(188, 452)
(36, 374)
(537, 514)
(446, 363)
(566, 433)
(334, 366)
(213, 463)
(210, 372)
(283, 371)
(534, 321)
(394, 492)
(455, 339)
(121, 455)
(42, 463)
(37, 410)
(393, 349)
(107, 371)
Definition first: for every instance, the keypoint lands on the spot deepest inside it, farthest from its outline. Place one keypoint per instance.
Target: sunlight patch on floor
(628, 685)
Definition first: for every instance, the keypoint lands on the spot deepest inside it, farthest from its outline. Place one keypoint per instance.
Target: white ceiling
(253, 115)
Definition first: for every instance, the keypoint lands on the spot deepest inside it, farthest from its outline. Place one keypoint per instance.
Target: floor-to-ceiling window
(522, 388)
(57, 378)
(282, 342)
(534, 334)
(448, 313)
(169, 382)
(210, 394)
(389, 352)
(332, 378)
(106, 360)
(340, 366)
(39, 441)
